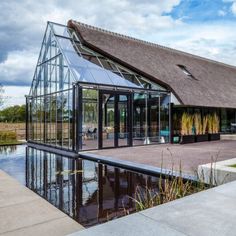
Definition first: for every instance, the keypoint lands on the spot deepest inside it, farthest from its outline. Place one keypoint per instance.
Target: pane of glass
(83, 74)
(139, 119)
(100, 76)
(123, 125)
(108, 119)
(60, 30)
(153, 118)
(164, 118)
(65, 44)
(90, 119)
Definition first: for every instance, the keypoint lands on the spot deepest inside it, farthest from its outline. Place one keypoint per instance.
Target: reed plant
(198, 124)
(204, 124)
(168, 189)
(190, 124)
(186, 124)
(215, 123)
(210, 124)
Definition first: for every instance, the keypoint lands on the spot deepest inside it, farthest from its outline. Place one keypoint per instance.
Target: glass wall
(50, 119)
(150, 118)
(68, 108)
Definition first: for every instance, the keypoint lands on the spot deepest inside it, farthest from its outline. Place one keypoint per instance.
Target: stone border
(218, 173)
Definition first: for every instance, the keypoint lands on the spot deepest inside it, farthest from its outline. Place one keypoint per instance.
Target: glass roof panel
(92, 72)
(60, 30)
(82, 68)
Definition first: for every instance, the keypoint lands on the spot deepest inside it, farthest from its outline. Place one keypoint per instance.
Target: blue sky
(206, 28)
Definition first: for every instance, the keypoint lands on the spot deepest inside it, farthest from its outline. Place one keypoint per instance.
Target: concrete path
(169, 156)
(207, 213)
(23, 212)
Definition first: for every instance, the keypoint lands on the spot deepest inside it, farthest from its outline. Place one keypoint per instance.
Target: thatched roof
(213, 85)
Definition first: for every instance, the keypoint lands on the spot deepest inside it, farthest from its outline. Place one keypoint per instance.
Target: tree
(13, 114)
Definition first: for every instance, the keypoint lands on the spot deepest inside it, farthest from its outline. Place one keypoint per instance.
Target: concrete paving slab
(211, 213)
(132, 225)
(13, 193)
(22, 212)
(50, 228)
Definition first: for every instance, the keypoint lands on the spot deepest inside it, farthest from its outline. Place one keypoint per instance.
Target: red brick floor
(169, 155)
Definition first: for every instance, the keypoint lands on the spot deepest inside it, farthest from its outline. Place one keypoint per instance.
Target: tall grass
(7, 136)
(168, 189)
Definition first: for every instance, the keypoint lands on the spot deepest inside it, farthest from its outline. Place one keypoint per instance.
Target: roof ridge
(151, 44)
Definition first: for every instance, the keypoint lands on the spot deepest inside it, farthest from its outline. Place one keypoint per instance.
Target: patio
(172, 156)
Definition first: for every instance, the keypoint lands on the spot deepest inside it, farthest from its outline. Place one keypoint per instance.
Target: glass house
(82, 100)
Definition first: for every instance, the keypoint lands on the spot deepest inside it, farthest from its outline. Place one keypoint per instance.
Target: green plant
(168, 189)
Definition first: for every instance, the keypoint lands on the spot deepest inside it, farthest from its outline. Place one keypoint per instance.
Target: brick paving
(169, 156)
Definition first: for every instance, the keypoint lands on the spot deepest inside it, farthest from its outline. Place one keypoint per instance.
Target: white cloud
(233, 7)
(22, 25)
(14, 95)
(214, 41)
(18, 68)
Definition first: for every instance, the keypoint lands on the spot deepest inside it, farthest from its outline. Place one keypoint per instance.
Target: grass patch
(4, 143)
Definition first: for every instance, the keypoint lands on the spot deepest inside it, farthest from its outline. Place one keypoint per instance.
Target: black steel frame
(116, 118)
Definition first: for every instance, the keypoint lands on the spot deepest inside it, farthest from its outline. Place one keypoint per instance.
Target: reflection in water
(12, 161)
(89, 192)
(6, 150)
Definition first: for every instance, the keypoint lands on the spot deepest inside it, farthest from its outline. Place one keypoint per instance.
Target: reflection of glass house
(95, 89)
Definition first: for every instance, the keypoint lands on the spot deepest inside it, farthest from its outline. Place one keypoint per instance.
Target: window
(186, 72)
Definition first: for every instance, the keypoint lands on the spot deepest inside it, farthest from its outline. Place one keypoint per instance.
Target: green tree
(13, 114)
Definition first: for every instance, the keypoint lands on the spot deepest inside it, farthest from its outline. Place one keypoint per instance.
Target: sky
(202, 27)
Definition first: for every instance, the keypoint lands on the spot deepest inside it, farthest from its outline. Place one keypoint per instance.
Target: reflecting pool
(89, 192)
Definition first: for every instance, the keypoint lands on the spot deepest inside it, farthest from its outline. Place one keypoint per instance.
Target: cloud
(18, 68)
(233, 7)
(214, 41)
(22, 25)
